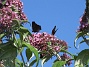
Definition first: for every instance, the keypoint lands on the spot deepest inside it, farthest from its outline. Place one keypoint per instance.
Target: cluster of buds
(12, 9)
(65, 57)
(44, 42)
(84, 23)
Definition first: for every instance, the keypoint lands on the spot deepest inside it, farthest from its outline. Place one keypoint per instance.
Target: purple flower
(84, 25)
(41, 40)
(12, 10)
(65, 57)
(56, 48)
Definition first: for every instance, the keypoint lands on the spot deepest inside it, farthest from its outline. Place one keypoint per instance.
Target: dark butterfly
(54, 30)
(35, 27)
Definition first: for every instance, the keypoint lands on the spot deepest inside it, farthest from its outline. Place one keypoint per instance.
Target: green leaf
(8, 54)
(24, 21)
(33, 50)
(16, 22)
(28, 54)
(80, 34)
(1, 36)
(24, 30)
(82, 59)
(81, 43)
(32, 63)
(4, 44)
(8, 51)
(49, 43)
(59, 63)
(4, 2)
(18, 63)
(20, 50)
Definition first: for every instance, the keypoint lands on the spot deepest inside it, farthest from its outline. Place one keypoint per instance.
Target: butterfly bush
(41, 41)
(84, 23)
(11, 10)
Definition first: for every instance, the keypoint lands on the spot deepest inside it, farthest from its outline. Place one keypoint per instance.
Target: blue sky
(64, 14)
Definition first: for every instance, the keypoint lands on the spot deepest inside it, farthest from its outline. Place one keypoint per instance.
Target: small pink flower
(56, 48)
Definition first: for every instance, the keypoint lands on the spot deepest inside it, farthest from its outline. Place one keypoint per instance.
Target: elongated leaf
(59, 63)
(80, 43)
(24, 30)
(28, 54)
(33, 50)
(18, 63)
(32, 63)
(80, 34)
(82, 59)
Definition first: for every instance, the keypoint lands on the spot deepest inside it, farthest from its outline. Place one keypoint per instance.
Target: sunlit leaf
(59, 63)
(18, 63)
(2, 35)
(82, 59)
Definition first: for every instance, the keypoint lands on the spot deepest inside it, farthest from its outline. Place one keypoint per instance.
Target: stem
(57, 55)
(22, 59)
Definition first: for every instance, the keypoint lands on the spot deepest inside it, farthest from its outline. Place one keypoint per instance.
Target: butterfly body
(35, 27)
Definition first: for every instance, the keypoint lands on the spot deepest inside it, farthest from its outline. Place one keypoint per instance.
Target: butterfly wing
(54, 30)
(35, 27)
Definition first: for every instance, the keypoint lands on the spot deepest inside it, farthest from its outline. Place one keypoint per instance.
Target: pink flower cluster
(65, 57)
(41, 41)
(84, 25)
(10, 11)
